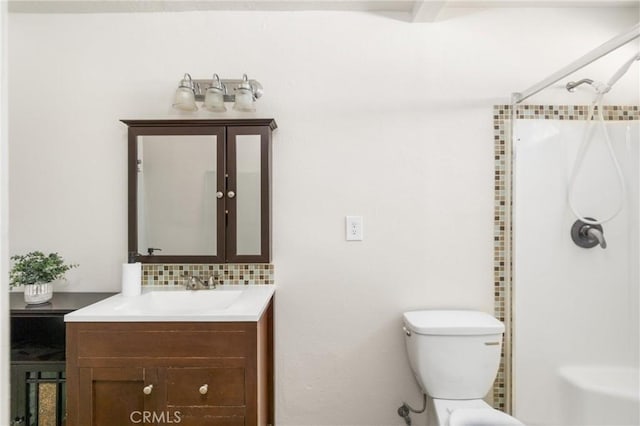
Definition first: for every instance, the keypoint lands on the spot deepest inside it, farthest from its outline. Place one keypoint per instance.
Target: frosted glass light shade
(185, 99)
(214, 100)
(244, 101)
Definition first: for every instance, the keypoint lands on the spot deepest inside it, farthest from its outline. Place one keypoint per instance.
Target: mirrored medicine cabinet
(199, 190)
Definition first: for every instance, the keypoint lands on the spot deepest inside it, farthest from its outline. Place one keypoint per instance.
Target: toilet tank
(453, 354)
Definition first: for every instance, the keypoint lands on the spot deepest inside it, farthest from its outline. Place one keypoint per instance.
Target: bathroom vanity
(129, 363)
(198, 193)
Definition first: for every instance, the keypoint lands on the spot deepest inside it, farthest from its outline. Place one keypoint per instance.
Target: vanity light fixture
(214, 96)
(185, 97)
(244, 96)
(215, 92)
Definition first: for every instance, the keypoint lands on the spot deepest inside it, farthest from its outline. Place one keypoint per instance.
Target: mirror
(248, 200)
(176, 197)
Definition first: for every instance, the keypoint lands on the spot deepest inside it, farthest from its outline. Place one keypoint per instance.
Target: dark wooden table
(38, 356)
(59, 305)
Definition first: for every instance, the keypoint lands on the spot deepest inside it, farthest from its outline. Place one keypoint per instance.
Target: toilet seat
(481, 417)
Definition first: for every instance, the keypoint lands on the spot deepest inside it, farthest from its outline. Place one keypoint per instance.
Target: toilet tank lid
(452, 323)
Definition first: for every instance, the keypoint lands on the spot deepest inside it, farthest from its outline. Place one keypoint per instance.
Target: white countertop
(244, 303)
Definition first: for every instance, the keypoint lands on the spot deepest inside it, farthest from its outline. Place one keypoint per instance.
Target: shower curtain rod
(597, 53)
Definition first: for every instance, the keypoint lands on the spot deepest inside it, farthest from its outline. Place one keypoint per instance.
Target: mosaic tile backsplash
(502, 213)
(229, 274)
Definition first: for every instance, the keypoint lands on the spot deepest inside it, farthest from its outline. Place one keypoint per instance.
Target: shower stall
(571, 261)
(575, 309)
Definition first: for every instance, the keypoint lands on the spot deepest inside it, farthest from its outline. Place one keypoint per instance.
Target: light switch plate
(354, 231)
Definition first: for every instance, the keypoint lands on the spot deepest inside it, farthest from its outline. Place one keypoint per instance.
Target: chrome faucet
(196, 283)
(571, 86)
(588, 235)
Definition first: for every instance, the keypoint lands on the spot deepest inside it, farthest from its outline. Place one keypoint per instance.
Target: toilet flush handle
(406, 331)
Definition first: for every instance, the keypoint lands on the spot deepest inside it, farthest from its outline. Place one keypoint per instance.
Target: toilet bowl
(482, 417)
(474, 412)
(454, 356)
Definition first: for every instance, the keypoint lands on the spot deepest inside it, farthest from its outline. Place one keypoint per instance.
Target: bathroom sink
(186, 301)
(166, 303)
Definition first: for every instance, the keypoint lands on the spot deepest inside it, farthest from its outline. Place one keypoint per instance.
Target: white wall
(377, 117)
(4, 218)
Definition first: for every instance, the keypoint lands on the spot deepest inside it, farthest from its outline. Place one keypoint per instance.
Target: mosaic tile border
(230, 273)
(502, 265)
(501, 129)
(573, 112)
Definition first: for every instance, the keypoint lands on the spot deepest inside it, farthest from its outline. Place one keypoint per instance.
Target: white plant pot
(38, 293)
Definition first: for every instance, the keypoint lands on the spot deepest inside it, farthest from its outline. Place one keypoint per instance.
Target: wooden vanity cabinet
(187, 373)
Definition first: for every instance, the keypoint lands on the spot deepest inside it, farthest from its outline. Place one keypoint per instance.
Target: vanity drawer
(205, 387)
(162, 340)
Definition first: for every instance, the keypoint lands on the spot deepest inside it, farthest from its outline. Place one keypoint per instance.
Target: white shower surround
(571, 305)
(600, 395)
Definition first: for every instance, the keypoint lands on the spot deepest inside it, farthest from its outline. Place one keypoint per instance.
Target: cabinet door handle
(147, 389)
(231, 194)
(219, 194)
(204, 389)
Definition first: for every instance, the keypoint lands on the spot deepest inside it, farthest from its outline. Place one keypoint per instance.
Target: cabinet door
(248, 194)
(117, 396)
(176, 188)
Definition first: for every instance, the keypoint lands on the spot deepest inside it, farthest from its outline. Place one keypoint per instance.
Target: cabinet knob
(204, 389)
(147, 389)
(231, 194)
(219, 194)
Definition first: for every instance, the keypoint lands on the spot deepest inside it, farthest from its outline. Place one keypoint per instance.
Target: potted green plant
(36, 271)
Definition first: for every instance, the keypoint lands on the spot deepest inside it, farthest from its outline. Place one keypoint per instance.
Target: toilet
(454, 356)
